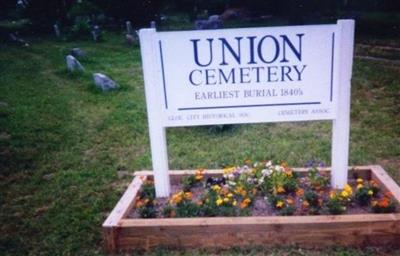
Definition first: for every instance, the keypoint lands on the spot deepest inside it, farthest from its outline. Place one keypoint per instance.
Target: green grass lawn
(63, 142)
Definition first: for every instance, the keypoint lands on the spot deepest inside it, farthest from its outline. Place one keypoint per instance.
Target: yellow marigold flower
(280, 189)
(279, 204)
(219, 201)
(234, 203)
(359, 180)
(230, 195)
(344, 194)
(216, 187)
(359, 186)
(348, 189)
(226, 199)
(370, 192)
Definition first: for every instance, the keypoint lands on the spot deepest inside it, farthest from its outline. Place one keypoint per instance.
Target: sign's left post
(152, 84)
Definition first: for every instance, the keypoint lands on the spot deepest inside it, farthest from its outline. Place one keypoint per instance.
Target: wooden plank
(209, 221)
(120, 211)
(304, 231)
(379, 174)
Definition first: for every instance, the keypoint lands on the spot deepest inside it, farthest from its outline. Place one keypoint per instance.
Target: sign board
(251, 75)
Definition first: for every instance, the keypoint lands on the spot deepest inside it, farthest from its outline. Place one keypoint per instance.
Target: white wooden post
(341, 125)
(158, 142)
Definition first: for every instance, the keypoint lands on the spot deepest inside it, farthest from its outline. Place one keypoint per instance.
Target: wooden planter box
(122, 233)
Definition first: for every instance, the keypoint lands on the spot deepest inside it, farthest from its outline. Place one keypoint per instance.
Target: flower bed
(262, 189)
(249, 205)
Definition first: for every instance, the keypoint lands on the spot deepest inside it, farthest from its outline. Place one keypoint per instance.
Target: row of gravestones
(101, 81)
(95, 32)
(104, 82)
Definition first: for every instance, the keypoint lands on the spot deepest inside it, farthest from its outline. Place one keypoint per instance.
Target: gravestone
(57, 30)
(78, 52)
(213, 22)
(18, 40)
(129, 29)
(73, 64)
(104, 83)
(96, 33)
(248, 75)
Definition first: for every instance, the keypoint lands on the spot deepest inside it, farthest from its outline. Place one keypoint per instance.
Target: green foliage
(335, 206)
(279, 182)
(168, 211)
(363, 195)
(188, 182)
(148, 191)
(312, 198)
(147, 212)
(314, 201)
(317, 180)
(187, 209)
(287, 210)
(80, 29)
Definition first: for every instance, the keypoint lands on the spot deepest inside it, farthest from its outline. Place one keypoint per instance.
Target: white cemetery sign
(250, 75)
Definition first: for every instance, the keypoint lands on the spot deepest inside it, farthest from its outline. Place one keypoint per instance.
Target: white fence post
(341, 125)
(158, 142)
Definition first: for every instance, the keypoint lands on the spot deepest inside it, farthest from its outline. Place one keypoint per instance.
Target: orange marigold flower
(289, 201)
(188, 195)
(139, 203)
(299, 192)
(199, 177)
(247, 200)
(384, 202)
(289, 173)
(280, 189)
(305, 204)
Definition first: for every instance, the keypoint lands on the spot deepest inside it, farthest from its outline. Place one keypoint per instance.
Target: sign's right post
(341, 124)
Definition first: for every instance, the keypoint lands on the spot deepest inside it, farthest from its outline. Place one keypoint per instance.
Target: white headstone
(57, 30)
(251, 75)
(104, 83)
(73, 64)
(129, 29)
